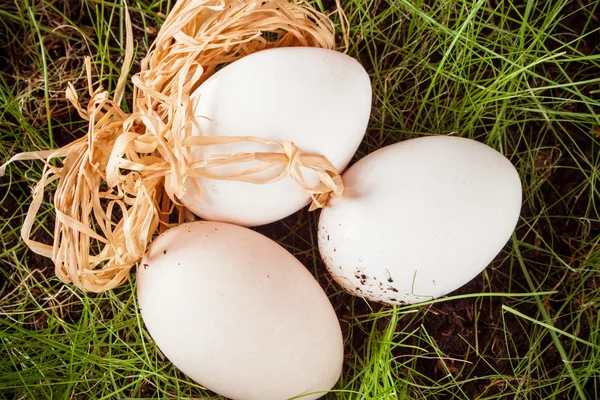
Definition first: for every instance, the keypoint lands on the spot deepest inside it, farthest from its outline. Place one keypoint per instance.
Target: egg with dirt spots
(419, 219)
(318, 99)
(238, 313)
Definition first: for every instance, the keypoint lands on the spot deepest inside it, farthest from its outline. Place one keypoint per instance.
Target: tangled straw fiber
(111, 196)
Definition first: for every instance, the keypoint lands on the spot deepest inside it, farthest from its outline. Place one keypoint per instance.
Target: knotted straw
(110, 195)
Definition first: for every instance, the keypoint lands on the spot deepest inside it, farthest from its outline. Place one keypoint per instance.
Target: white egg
(239, 314)
(419, 219)
(316, 98)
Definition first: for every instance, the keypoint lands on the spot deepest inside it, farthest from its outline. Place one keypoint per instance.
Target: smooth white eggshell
(319, 99)
(419, 219)
(239, 314)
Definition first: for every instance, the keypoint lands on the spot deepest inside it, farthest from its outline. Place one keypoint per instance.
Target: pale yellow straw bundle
(110, 197)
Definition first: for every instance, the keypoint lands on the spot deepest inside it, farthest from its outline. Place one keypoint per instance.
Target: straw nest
(111, 196)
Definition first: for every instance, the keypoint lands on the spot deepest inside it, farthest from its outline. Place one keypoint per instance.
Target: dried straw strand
(110, 197)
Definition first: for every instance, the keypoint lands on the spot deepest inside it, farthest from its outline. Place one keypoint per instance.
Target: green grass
(521, 76)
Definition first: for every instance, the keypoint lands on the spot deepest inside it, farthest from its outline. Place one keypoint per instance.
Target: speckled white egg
(239, 314)
(318, 99)
(419, 219)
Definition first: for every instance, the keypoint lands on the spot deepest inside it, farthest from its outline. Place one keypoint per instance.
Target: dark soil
(452, 325)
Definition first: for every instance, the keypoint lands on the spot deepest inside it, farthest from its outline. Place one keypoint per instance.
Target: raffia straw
(110, 197)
